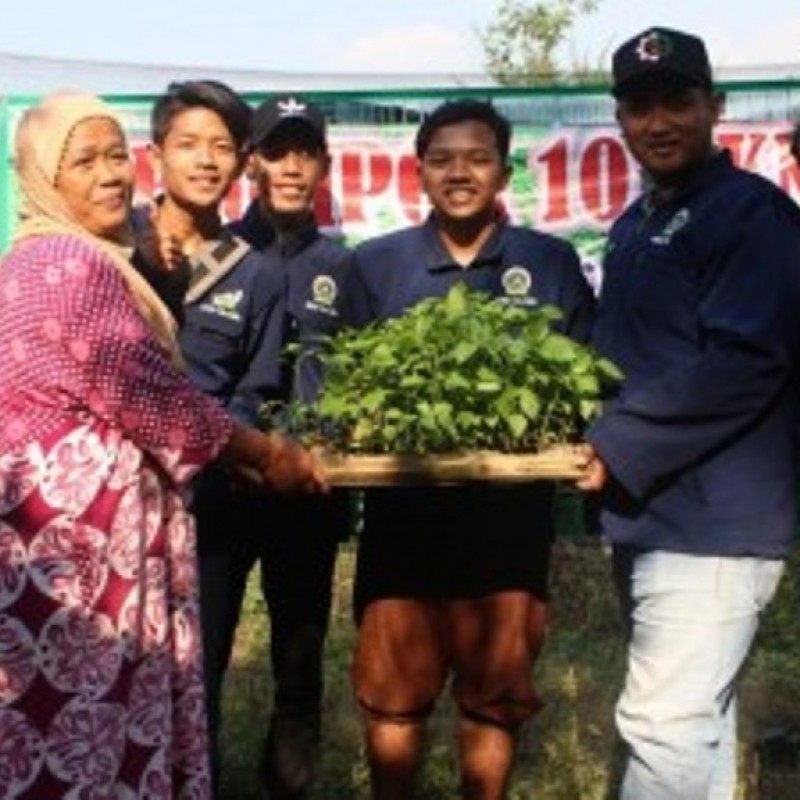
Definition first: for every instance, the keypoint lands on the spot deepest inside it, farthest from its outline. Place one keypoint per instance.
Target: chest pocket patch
(224, 304)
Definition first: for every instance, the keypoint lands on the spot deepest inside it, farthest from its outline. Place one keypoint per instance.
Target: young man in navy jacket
(245, 291)
(294, 542)
(453, 581)
(695, 455)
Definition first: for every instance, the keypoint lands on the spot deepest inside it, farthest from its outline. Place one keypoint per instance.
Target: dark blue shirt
(394, 272)
(232, 338)
(311, 267)
(699, 308)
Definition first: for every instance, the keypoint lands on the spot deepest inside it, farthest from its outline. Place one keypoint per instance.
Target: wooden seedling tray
(560, 462)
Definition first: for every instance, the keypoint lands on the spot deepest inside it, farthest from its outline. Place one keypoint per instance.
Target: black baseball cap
(658, 58)
(283, 112)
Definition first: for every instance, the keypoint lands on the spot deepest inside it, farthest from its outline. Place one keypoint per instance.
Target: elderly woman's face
(95, 177)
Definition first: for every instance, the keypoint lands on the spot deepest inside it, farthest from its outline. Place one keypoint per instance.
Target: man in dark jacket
(294, 542)
(695, 455)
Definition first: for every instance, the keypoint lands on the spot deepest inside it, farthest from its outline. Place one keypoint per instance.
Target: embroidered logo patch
(292, 107)
(324, 290)
(225, 304)
(517, 281)
(653, 46)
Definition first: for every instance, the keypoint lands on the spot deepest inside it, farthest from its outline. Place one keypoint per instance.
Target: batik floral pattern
(101, 691)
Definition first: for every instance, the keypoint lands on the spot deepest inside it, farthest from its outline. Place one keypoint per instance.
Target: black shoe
(288, 765)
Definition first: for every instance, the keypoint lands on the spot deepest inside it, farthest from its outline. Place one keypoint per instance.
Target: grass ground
(568, 752)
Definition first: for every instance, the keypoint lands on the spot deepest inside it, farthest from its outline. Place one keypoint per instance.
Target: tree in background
(520, 43)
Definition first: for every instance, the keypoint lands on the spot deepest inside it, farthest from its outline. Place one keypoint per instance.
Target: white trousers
(692, 623)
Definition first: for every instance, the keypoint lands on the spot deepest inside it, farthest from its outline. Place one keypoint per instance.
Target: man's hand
(596, 473)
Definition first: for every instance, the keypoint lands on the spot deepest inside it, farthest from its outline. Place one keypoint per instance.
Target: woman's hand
(290, 466)
(161, 250)
(273, 461)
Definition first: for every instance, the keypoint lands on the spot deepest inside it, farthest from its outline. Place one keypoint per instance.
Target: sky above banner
(364, 36)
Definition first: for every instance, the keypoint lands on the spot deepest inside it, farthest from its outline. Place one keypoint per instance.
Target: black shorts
(454, 542)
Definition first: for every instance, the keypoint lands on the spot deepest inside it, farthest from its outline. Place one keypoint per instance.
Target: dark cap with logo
(659, 58)
(284, 113)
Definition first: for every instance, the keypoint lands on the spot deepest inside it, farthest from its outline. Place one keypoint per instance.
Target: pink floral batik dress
(101, 692)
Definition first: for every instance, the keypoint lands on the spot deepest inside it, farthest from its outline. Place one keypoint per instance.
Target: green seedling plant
(458, 373)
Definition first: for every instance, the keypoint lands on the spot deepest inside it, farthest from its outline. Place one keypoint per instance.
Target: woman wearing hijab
(101, 692)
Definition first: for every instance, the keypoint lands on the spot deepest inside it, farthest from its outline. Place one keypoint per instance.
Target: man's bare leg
(487, 754)
(394, 750)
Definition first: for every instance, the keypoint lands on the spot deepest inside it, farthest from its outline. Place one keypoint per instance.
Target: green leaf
(558, 348)
(463, 371)
(373, 400)
(455, 302)
(517, 423)
(529, 403)
(464, 351)
(609, 370)
(455, 381)
(412, 381)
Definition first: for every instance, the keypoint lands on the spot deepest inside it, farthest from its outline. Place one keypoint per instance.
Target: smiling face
(95, 177)
(198, 160)
(288, 167)
(462, 171)
(669, 131)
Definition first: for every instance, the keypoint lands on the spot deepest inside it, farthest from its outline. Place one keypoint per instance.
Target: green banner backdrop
(572, 174)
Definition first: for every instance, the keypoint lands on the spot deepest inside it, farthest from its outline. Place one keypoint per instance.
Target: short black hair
(213, 95)
(452, 112)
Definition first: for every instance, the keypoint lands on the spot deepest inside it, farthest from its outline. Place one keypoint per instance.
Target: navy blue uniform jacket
(699, 307)
(234, 336)
(231, 336)
(311, 268)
